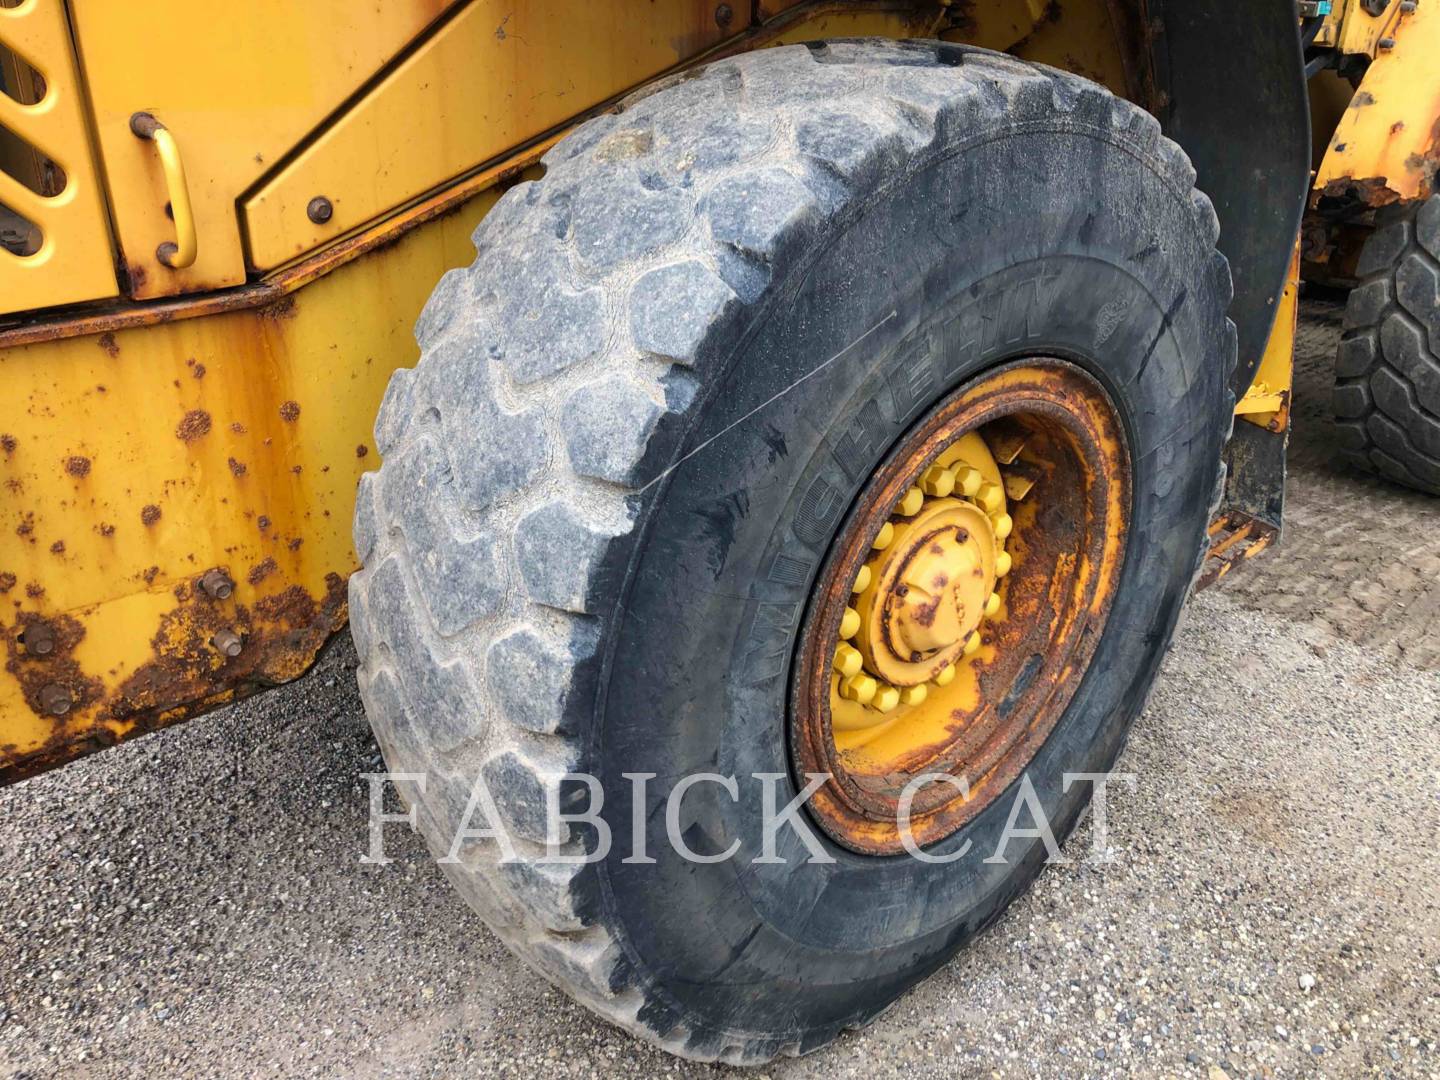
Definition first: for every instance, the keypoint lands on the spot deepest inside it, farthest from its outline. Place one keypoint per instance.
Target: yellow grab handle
(181, 253)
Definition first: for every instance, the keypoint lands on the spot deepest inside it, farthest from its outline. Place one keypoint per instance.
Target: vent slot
(18, 234)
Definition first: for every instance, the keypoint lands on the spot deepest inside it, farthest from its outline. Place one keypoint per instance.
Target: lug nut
(216, 584)
(886, 698)
(227, 642)
(1003, 524)
(862, 580)
(849, 623)
(38, 639)
(969, 481)
(945, 676)
(319, 210)
(992, 605)
(859, 688)
(55, 699)
(1003, 563)
(883, 537)
(938, 481)
(847, 660)
(914, 695)
(972, 644)
(911, 503)
(990, 498)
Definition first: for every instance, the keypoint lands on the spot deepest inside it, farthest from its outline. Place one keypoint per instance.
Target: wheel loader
(695, 410)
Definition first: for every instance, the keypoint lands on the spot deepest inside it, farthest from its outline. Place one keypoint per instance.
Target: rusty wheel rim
(955, 617)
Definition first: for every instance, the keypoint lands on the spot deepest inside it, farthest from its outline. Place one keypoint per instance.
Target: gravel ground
(191, 903)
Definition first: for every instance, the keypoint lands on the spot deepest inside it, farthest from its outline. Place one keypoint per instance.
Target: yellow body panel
(1387, 144)
(493, 77)
(1267, 402)
(239, 85)
(135, 460)
(73, 261)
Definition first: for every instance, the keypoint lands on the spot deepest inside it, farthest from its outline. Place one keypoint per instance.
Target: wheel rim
(961, 603)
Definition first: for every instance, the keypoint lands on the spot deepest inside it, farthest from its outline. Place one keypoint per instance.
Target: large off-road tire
(1387, 369)
(592, 540)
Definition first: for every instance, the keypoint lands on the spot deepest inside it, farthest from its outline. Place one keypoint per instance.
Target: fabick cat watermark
(577, 828)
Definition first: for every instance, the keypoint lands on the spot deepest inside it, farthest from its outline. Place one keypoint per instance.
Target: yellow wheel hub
(919, 603)
(959, 607)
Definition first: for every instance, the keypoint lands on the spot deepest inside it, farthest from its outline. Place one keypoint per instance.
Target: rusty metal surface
(1069, 543)
(1234, 537)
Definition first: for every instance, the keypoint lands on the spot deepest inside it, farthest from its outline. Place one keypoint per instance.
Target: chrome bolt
(216, 584)
(38, 639)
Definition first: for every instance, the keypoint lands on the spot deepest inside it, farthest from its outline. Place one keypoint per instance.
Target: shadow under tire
(638, 422)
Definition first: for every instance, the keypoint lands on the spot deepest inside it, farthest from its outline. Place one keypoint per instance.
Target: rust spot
(238, 428)
(56, 668)
(77, 465)
(263, 522)
(361, 450)
(296, 469)
(283, 308)
(107, 342)
(237, 467)
(1363, 98)
(27, 525)
(289, 411)
(7, 581)
(138, 276)
(150, 514)
(34, 591)
(7, 443)
(294, 544)
(260, 571)
(198, 371)
(58, 547)
(1372, 192)
(193, 425)
(150, 573)
(105, 529)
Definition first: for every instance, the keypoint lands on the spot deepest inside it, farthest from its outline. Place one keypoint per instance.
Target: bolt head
(724, 16)
(227, 643)
(319, 210)
(216, 584)
(38, 639)
(55, 699)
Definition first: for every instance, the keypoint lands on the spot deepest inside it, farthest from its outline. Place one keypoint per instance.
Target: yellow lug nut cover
(945, 676)
(848, 660)
(972, 643)
(991, 498)
(968, 480)
(884, 536)
(859, 688)
(937, 480)
(914, 695)
(1003, 562)
(862, 580)
(992, 605)
(886, 698)
(849, 623)
(1003, 524)
(910, 504)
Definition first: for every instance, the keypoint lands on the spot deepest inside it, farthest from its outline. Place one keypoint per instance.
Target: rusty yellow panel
(497, 75)
(239, 85)
(1386, 147)
(1267, 402)
(136, 460)
(1357, 31)
(73, 259)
